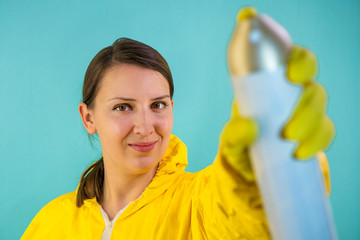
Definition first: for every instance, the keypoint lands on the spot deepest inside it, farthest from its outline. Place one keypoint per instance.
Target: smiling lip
(143, 146)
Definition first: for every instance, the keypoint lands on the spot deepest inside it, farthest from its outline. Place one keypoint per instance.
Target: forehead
(128, 80)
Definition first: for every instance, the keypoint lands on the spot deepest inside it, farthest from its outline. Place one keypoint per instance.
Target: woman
(139, 189)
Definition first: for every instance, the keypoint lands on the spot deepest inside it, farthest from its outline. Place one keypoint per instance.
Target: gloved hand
(309, 126)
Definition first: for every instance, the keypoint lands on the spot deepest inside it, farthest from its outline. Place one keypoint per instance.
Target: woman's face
(133, 117)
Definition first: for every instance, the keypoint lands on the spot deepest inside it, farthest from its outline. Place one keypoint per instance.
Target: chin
(145, 164)
(146, 161)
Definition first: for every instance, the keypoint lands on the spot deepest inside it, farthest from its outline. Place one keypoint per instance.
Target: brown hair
(122, 51)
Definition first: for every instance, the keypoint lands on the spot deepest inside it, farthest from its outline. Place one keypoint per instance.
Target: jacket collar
(171, 165)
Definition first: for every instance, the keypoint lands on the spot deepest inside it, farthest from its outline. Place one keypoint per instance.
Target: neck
(121, 188)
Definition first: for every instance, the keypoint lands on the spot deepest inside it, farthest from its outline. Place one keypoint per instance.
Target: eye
(123, 107)
(158, 105)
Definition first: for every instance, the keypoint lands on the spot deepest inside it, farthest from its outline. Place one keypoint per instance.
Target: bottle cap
(258, 43)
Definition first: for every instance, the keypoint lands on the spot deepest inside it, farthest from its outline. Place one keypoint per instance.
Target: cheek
(115, 127)
(121, 126)
(164, 125)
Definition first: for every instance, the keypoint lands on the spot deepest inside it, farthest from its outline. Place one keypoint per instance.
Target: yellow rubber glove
(309, 126)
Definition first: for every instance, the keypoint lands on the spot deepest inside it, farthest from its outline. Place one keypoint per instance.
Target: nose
(143, 123)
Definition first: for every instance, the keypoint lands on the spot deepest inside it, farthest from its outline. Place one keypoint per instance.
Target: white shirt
(109, 224)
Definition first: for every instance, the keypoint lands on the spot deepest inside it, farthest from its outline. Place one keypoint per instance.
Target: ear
(172, 103)
(87, 118)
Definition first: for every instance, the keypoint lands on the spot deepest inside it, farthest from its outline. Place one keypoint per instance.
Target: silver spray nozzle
(258, 43)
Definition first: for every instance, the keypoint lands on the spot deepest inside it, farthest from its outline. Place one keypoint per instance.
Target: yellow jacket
(214, 203)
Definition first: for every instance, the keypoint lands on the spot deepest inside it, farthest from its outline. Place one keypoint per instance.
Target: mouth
(143, 146)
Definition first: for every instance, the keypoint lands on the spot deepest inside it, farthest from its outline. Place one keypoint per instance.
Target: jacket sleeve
(229, 207)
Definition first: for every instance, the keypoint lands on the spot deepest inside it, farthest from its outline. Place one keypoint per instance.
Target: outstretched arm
(236, 200)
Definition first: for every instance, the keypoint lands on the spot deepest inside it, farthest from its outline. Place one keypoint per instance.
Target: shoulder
(64, 199)
(55, 210)
(67, 200)
(51, 215)
(194, 182)
(62, 219)
(57, 207)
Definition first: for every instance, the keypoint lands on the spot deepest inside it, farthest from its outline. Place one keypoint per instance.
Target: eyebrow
(161, 97)
(132, 99)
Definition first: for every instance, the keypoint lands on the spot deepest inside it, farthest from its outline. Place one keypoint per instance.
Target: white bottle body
(293, 191)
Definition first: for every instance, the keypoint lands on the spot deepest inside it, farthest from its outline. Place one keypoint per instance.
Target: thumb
(235, 114)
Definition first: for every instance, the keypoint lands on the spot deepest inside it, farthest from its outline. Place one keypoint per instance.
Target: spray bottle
(293, 191)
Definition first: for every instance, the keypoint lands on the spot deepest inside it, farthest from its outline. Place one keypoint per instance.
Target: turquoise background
(46, 46)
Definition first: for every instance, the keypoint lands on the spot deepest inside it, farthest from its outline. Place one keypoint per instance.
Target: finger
(239, 132)
(308, 114)
(246, 12)
(302, 65)
(240, 161)
(236, 137)
(325, 170)
(318, 141)
(234, 111)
